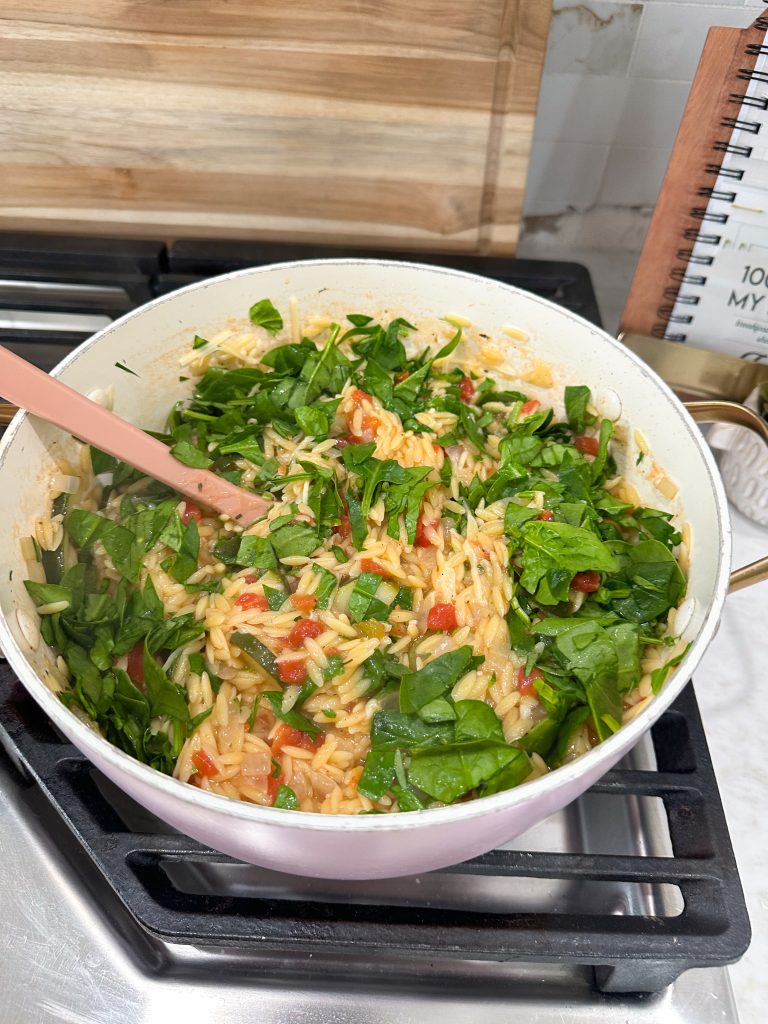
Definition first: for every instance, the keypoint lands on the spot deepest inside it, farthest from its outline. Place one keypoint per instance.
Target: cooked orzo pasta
(448, 596)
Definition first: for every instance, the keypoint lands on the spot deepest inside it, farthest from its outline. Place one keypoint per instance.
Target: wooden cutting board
(408, 122)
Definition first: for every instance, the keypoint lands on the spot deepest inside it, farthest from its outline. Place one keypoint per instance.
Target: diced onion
(63, 484)
(682, 616)
(29, 628)
(256, 763)
(105, 397)
(52, 608)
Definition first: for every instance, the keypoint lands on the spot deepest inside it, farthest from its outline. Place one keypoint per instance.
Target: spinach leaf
(295, 539)
(379, 670)
(436, 679)
(393, 729)
(601, 459)
(476, 720)
(659, 675)
(516, 516)
(558, 551)
(470, 426)
(649, 580)
(576, 401)
(406, 799)
(85, 528)
(377, 382)
(164, 697)
(572, 723)
(289, 359)
(256, 553)
(312, 421)
(585, 649)
(189, 455)
(357, 525)
(292, 717)
(326, 586)
(378, 774)
(446, 773)
(511, 775)
(363, 603)
(172, 534)
(185, 562)
(47, 593)
(264, 314)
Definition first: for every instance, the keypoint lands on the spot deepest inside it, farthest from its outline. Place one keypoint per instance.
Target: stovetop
(110, 915)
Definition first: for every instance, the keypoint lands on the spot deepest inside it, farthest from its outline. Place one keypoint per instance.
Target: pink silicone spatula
(55, 402)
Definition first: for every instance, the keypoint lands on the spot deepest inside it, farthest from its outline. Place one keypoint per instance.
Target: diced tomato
(135, 666)
(205, 764)
(251, 578)
(422, 540)
(400, 377)
(294, 671)
(466, 389)
(191, 510)
(342, 442)
(358, 397)
(547, 515)
(528, 407)
(586, 582)
(249, 600)
(371, 565)
(303, 602)
(442, 616)
(287, 736)
(331, 651)
(344, 529)
(588, 445)
(273, 784)
(304, 628)
(525, 683)
(369, 425)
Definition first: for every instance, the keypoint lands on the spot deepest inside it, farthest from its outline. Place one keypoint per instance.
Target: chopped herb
(286, 799)
(264, 314)
(126, 369)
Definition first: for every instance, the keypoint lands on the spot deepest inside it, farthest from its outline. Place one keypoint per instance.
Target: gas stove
(625, 906)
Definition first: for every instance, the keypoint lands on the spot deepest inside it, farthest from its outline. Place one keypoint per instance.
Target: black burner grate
(153, 871)
(630, 952)
(75, 285)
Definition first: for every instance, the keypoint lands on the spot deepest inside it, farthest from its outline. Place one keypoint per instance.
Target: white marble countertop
(731, 690)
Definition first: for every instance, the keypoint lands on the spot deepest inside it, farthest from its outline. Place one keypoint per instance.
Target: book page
(725, 305)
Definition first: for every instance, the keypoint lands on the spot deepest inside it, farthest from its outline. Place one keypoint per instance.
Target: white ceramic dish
(149, 341)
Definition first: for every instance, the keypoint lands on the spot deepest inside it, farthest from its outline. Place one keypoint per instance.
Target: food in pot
(455, 589)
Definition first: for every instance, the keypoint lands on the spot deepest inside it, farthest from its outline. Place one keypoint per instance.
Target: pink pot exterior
(355, 847)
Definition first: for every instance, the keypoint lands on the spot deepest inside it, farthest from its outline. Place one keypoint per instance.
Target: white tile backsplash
(651, 113)
(579, 108)
(633, 175)
(595, 37)
(564, 175)
(615, 84)
(673, 35)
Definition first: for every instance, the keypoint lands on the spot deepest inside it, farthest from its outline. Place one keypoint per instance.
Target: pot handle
(740, 415)
(7, 412)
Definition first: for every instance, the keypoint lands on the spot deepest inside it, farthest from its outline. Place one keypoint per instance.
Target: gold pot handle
(7, 412)
(741, 416)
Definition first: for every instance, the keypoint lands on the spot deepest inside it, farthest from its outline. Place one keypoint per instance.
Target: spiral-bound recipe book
(702, 277)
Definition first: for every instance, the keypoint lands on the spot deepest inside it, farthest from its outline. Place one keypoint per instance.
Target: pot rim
(487, 806)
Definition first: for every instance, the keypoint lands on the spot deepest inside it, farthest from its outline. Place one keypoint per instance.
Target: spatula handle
(57, 403)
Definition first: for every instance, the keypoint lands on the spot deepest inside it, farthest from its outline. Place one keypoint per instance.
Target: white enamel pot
(149, 341)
